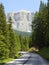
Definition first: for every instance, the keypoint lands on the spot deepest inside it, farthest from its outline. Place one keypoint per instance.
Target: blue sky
(16, 5)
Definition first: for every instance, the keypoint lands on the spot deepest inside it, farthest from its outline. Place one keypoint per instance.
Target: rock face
(21, 20)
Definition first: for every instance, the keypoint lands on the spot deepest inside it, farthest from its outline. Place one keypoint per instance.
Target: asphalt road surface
(28, 59)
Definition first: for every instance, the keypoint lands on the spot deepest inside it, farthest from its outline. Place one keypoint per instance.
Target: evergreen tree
(47, 25)
(4, 51)
(24, 41)
(3, 24)
(42, 6)
(18, 42)
(38, 36)
(27, 43)
(13, 42)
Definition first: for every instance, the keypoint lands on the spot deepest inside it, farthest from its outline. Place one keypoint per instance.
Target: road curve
(28, 59)
(36, 59)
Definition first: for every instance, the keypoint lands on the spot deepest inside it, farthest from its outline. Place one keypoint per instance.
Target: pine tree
(3, 24)
(4, 51)
(42, 6)
(13, 42)
(47, 24)
(39, 27)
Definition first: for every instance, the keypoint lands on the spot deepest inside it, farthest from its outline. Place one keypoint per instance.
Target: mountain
(21, 20)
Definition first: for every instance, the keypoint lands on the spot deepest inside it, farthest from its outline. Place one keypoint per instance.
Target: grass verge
(2, 62)
(44, 52)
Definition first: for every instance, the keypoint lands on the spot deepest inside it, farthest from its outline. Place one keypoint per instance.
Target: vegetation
(4, 51)
(10, 42)
(24, 43)
(23, 33)
(40, 26)
(44, 52)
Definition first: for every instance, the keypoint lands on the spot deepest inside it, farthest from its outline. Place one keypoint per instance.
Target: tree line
(10, 42)
(40, 26)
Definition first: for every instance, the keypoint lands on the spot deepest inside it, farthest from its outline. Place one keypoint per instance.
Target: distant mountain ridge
(21, 20)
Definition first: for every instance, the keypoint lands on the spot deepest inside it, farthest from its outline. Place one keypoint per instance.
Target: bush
(17, 55)
(33, 49)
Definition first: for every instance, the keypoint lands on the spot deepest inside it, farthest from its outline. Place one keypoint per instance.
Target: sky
(17, 5)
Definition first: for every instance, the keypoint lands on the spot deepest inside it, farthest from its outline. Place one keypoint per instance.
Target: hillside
(22, 33)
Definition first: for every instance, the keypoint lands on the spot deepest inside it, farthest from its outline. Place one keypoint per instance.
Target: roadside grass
(44, 52)
(2, 62)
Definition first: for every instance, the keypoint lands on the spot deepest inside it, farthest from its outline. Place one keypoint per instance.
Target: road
(28, 59)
